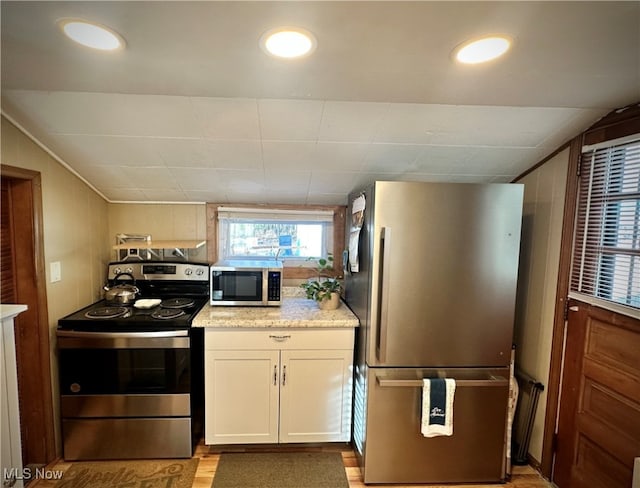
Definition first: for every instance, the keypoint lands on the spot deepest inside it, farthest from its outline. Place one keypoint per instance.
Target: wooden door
(599, 421)
(241, 397)
(23, 281)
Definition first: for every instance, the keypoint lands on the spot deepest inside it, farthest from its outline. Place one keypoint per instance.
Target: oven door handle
(122, 335)
(170, 339)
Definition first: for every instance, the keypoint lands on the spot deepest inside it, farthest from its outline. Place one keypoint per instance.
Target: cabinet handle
(280, 338)
(275, 375)
(284, 375)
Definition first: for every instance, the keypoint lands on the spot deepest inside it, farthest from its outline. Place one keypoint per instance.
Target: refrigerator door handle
(383, 294)
(404, 383)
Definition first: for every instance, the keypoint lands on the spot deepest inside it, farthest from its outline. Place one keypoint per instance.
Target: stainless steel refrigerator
(431, 275)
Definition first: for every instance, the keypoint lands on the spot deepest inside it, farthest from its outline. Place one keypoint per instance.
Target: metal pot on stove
(122, 294)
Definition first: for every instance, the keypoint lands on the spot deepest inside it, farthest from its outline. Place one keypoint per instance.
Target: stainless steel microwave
(246, 283)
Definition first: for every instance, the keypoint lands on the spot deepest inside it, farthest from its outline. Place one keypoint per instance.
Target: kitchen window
(606, 252)
(293, 236)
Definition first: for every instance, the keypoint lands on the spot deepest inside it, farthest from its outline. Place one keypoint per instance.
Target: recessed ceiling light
(90, 34)
(482, 50)
(288, 42)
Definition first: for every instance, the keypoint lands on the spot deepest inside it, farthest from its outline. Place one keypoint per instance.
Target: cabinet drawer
(245, 339)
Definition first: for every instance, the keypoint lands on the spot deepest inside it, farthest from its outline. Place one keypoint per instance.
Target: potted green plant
(325, 289)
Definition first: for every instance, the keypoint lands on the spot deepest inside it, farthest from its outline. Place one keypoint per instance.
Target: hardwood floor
(523, 476)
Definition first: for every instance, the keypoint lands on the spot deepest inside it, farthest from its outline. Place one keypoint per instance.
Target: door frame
(619, 123)
(559, 317)
(37, 292)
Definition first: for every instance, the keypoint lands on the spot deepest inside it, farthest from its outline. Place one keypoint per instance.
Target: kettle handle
(106, 287)
(124, 274)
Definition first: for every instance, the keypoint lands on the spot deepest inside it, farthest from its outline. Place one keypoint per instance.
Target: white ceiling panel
(287, 181)
(443, 159)
(193, 110)
(162, 194)
(281, 197)
(339, 156)
(180, 151)
(234, 154)
(381, 156)
(119, 194)
(108, 177)
(412, 123)
(227, 118)
(206, 196)
(361, 180)
(109, 150)
(197, 179)
(252, 195)
(351, 121)
(327, 198)
(241, 181)
(151, 177)
(112, 113)
(288, 155)
(290, 120)
(339, 181)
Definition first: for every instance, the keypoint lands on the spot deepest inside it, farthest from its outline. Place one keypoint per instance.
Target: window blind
(238, 214)
(606, 251)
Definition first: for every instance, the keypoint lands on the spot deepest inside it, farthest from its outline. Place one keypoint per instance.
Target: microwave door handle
(265, 287)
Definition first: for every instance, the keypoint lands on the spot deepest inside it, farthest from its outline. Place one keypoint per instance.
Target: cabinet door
(241, 397)
(11, 451)
(315, 396)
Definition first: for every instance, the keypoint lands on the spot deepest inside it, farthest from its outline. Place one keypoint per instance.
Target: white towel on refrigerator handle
(430, 413)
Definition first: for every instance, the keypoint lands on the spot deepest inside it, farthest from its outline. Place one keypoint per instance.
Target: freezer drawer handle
(493, 381)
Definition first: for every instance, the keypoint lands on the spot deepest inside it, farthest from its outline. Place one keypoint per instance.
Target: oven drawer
(88, 406)
(126, 438)
(278, 339)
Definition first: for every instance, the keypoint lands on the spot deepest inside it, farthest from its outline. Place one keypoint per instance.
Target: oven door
(144, 363)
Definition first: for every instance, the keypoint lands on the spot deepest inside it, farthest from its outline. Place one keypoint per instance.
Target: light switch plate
(55, 271)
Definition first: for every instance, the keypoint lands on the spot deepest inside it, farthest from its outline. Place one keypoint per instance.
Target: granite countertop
(296, 311)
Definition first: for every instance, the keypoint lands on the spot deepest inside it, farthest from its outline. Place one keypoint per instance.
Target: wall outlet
(55, 271)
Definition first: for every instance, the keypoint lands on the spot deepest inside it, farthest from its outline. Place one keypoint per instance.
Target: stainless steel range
(131, 375)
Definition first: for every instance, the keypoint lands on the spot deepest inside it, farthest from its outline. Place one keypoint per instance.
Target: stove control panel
(160, 270)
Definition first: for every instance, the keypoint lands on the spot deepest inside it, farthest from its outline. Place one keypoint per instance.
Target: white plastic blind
(238, 214)
(606, 253)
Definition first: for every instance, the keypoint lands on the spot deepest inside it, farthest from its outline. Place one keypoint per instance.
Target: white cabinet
(278, 385)
(315, 397)
(11, 453)
(241, 397)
